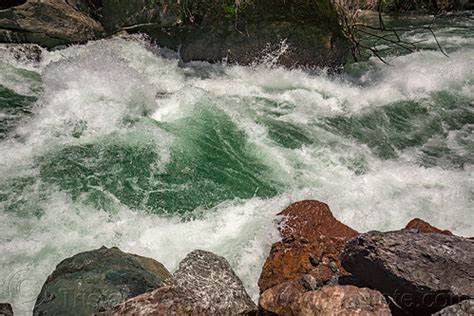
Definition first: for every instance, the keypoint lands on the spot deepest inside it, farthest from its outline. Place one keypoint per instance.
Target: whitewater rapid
(122, 146)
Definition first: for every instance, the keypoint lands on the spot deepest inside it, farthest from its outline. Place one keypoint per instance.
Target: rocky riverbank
(320, 267)
(304, 32)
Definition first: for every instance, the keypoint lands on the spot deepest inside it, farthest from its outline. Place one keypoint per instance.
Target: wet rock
(312, 240)
(138, 15)
(423, 273)
(342, 300)
(423, 227)
(205, 284)
(6, 309)
(97, 280)
(281, 299)
(465, 308)
(24, 52)
(48, 23)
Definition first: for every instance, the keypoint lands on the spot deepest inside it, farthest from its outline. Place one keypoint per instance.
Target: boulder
(48, 23)
(289, 33)
(423, 227)
(168, 300)
(312, 240)
(465, 308)
(97, 280)
(423, 273)
(26, 53)
(6, 309)
(281, 298)
(205, 284)
(342, 300)
(211, 279)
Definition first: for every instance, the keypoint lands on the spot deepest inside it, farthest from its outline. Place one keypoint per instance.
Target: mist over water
(112, 144)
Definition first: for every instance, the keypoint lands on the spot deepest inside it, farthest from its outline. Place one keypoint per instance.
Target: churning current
(112, 143)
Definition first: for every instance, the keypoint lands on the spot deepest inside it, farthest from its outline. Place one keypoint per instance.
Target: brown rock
(424, 227)
(280, 299)
(48, 23)
(169, 300)
(342, 300)
(312, 240)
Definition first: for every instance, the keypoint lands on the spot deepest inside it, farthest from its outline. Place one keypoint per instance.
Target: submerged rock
(205, 284)
(423, 227)
(423, 273)
(342, 300)
(97, 280)
(48, 23)
(6, 309)
(312, 240)
(465, 308)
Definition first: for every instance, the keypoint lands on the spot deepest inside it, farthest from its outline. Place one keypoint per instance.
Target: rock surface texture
(342, 300)
(205, 284)
(423, 273)
(281, 299)
(211, 278)
(97, 280)
(465, 308)
(423, 227)
(48, 22)
(312, 240)
(290, 33)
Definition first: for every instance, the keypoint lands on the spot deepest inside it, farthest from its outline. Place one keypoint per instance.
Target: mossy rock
(97, 280)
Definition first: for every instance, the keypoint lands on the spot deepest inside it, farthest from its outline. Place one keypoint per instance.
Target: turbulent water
(111, 143)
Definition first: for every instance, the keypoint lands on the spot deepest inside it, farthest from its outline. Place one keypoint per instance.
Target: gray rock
(423, 273)
(205, 284)
(48, 23)
(211, 279)
(97, 280)
(465, 308)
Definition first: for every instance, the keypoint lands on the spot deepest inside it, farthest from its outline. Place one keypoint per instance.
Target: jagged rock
(423, 227)
(205, 284)
(48, 23)
(465, 308)
(423, 273)
(97, 280)
(6, 309)
(342, 300)
(312, 240)
(281, 298)
(211, 279)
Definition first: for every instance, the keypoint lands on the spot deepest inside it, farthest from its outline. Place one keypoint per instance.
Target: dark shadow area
(5, 4)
